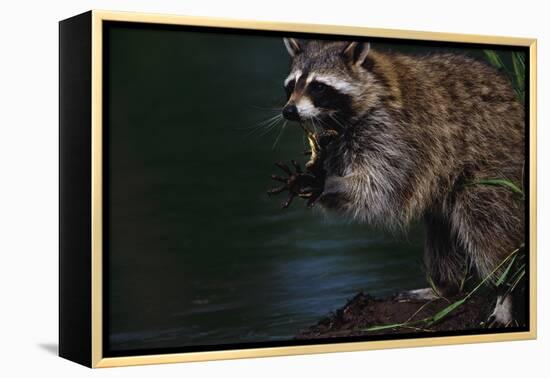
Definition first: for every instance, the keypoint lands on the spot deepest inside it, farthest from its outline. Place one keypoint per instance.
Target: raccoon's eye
(289, 88)
(317, 87)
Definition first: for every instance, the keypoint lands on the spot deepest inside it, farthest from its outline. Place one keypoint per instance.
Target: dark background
(197, 254)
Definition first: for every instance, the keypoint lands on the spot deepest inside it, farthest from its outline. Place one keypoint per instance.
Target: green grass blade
(382, 327)
(494, 59)
(517, 272)
(518, 64)
(521, 95)
(433, 286)
(516, 73)
(441, 314)
(495, 269)
(502, 277)
(521, 60)
(500, 182)
(517, 280)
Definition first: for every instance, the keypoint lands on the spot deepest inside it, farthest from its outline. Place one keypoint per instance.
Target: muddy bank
(365, 315)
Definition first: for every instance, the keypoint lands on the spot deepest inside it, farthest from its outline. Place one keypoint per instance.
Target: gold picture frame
(95, 358)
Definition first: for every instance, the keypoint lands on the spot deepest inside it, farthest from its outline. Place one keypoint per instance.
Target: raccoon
(413, 134)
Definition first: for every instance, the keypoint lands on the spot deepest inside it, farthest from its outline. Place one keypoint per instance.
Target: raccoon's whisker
(318, 127)
(315, 126)
(279, 135)
(266, 126)
(312, 125)
(339, 122)
(276, 116)
(273, 124)
(252, 129)
(256, 130)
(269, 128)
(261, 123)
(277, 108)
(322, 122)
(269, 122)
(304, 127)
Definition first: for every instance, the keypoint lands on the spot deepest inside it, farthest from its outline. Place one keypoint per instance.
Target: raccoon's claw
(278, 178)
(288, 201)
(276, 190)
(313, 200)
(298, 184)
(284, 167)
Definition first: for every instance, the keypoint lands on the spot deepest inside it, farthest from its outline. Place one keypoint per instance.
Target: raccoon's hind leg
(490, 223)
(445, 259)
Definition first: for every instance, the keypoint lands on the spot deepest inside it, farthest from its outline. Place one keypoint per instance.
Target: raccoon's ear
(292, 46)
(356, 52)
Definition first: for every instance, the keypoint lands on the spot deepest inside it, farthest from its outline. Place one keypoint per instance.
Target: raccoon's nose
(290, 112)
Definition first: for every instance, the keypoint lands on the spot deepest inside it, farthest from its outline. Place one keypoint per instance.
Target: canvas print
(273, 189)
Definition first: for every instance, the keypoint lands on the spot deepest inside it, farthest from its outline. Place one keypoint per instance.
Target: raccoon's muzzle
(290, 112)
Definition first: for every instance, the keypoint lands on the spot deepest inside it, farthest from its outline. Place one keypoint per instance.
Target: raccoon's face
(324, 81)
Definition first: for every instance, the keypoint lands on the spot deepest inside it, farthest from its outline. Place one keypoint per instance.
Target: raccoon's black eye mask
(289, 88)
(317, 88)
(326, 97)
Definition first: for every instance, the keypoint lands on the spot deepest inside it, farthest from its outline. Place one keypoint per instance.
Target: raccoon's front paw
(298, 184)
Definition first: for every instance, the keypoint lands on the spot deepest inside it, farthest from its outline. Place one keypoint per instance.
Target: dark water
(197, 253)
